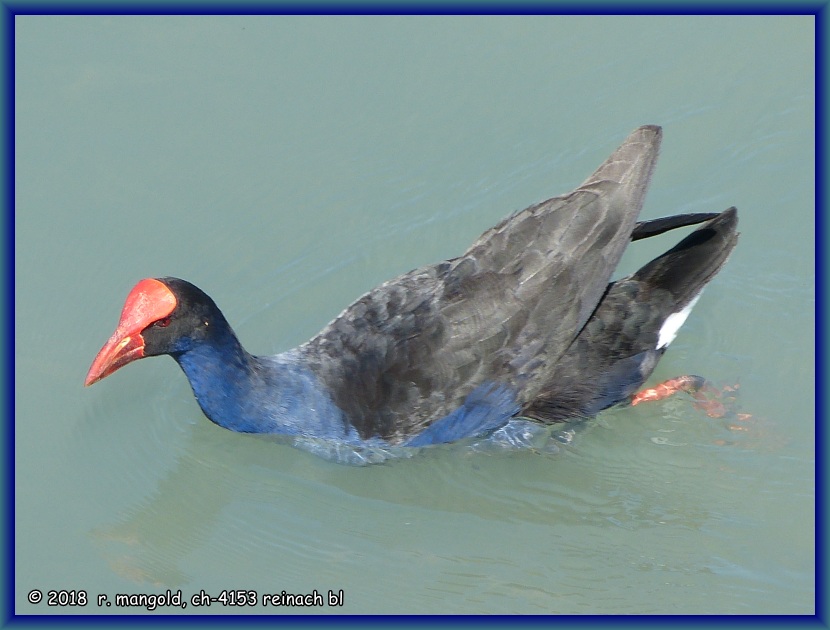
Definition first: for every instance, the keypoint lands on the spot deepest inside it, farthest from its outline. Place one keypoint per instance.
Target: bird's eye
(162, 323)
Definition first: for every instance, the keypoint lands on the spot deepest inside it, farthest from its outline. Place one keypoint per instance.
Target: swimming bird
(526, 323)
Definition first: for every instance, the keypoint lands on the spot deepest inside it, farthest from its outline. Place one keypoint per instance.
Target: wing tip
(631, 164)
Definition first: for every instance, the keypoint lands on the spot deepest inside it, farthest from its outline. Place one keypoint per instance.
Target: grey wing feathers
(410, 351)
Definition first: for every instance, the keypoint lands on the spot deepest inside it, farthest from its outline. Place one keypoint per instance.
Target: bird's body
(525, 323)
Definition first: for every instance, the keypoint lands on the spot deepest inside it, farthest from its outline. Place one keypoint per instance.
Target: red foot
(669, 387)
(714, 401)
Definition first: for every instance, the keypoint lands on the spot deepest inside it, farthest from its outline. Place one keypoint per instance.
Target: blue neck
(251, 394)
(280, 394)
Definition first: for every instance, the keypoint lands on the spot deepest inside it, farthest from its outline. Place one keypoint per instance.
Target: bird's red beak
(149, 301)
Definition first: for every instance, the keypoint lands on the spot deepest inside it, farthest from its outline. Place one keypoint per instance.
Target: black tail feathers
(686, 268)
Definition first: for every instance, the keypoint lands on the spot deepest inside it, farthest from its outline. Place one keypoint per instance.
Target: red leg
(669, 387)
(713, 400)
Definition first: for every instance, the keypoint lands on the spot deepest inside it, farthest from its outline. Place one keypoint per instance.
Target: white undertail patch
(668, 331)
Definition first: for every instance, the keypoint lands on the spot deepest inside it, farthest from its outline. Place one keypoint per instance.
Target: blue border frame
(820, 313)
(7, 593)
(8, 11)
(432, 7)
(821, 205)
